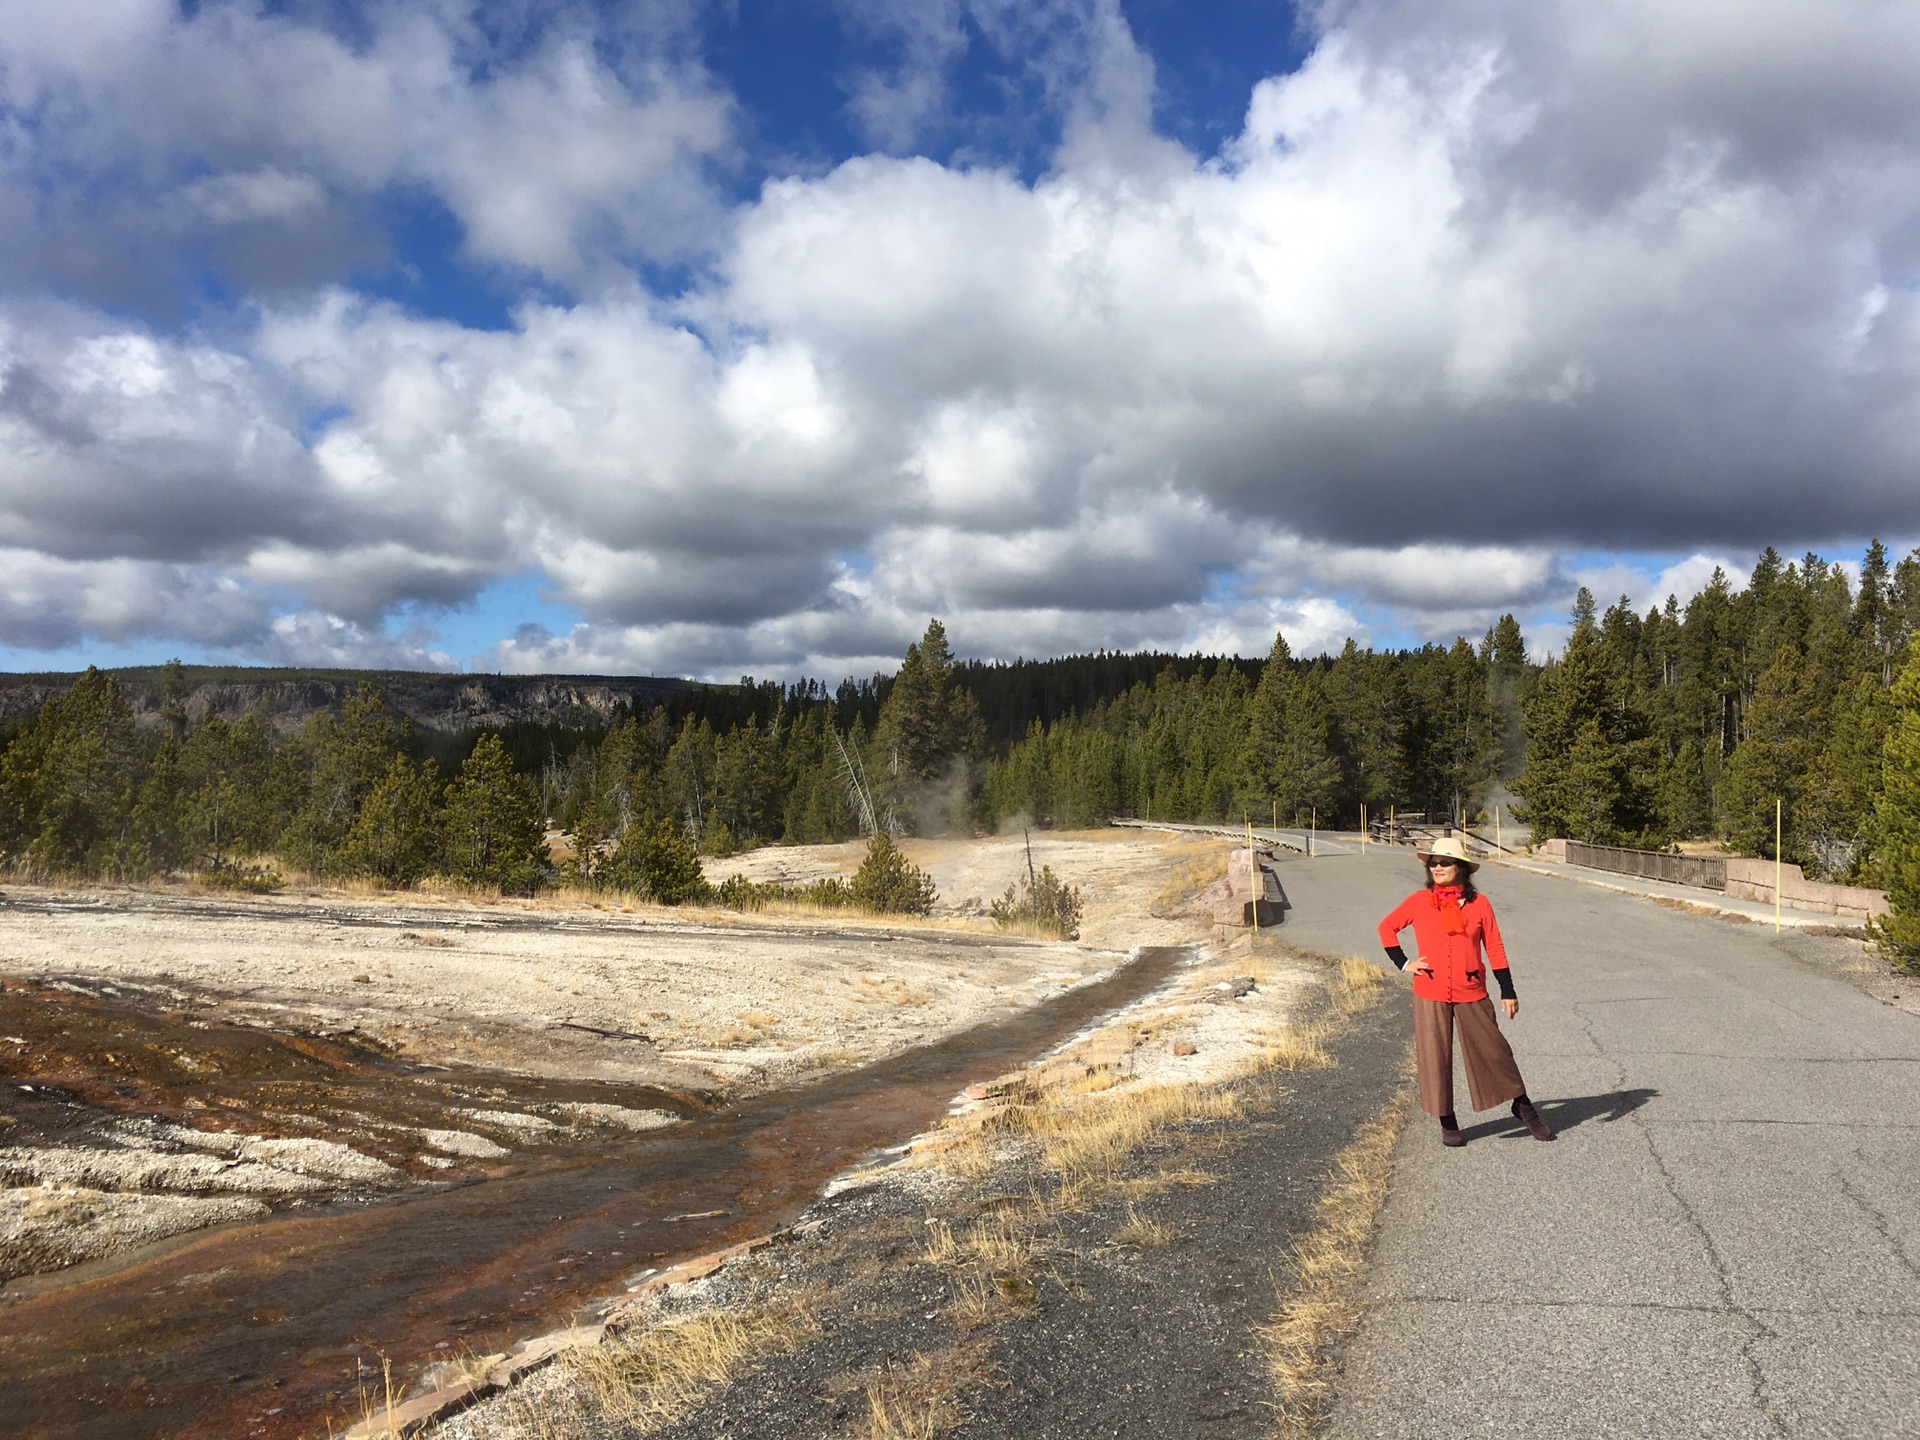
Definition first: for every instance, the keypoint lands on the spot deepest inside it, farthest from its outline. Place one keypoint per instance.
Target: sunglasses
(1442, 864)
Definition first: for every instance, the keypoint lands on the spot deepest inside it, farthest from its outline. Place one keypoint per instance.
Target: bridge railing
(1708, 872)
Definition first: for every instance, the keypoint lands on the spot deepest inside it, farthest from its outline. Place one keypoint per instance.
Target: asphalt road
(1724, 1240)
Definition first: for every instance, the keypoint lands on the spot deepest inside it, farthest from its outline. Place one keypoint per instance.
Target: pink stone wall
(1753, 880)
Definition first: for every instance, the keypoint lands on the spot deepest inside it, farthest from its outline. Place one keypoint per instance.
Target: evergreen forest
(1686, 723)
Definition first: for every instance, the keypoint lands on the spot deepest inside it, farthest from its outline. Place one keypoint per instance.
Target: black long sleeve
(1505, 977)
(1397, 956)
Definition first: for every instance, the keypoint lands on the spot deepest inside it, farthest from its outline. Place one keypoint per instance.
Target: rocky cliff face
(431, 701)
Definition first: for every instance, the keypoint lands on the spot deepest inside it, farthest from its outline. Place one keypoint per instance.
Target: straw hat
(1450, 847)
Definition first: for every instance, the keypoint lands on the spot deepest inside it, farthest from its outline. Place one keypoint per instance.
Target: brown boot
(1528, 1116)
(1450, 1132)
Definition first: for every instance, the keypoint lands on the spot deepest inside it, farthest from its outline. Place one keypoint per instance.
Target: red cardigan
(1458, 975)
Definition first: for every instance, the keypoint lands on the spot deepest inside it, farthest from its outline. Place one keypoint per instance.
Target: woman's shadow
(1566, 1114)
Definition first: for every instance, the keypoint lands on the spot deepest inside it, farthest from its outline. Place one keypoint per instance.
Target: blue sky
(709, 339)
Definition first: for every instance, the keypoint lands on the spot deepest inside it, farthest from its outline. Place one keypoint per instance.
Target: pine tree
(1369, 710)
(928, 734)
(686, 776)
(395, 837)
(67, 784)
(888, 883)
(1683, 797)
(234, 801)
(346, 754)
(1590, 770)
(1584, 609)
(815, 805)
(1260, 757)
(491, 827)
(1837, 796)
(657, 860)
(1568, 703)
(159, 832)
(1897, 817)
(1873, 621)
(1593, 789)
(1771, 764)
(1287, 763)
(748, 779)
(1506, 681)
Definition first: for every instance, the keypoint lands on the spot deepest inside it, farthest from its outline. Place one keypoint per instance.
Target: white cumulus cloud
(1477, 288)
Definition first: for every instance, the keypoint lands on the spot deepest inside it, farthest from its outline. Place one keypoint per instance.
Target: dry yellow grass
(370, 1407)
(659, 1374)
(920, 1399)
(638, 1383)
(941, 1248)
(1087, 1133)
(61, 1206)
(1190, 868)
(1329, 1264)
(880, 990)
(1088, 1129)
(754, 1026)
(998, 1246)
(977, 1303)
(1360, 977)
(1302, 1047)
(997, 1250)
(1353, 986)
(1687, 907)
(1140, 1234)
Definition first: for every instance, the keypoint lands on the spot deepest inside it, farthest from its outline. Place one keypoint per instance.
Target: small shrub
(737, 892)
(231, 875)
(717, 839)
(660, 863)
(888, 883)
(832, 893)
(1045, 904)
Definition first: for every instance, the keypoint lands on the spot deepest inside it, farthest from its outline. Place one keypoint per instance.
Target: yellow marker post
(1313, 829)
(1393, 816)
(1776, 864)
(1499, 840)
(1363, 827)
(1253, 866)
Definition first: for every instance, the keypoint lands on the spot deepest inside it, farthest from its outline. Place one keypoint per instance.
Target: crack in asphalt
(1579, 1008)
(1758, 1330)
(1654, 1306)
(1800, 1124)
(1878, 1220)
(1774, 1059)
(1757, 1380)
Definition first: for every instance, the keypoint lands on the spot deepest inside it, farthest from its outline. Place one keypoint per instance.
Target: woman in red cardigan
(1451, 923)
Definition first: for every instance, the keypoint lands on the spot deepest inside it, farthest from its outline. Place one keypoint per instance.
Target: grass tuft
(643, 1381)
(1139, 1234)
(921, 1398)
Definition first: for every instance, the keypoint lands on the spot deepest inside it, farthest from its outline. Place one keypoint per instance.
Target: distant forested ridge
(1683, 723)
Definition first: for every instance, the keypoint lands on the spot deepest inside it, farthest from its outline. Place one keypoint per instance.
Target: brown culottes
(1492, 1075)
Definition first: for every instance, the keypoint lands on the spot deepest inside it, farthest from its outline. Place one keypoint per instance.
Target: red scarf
(1446, 899)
